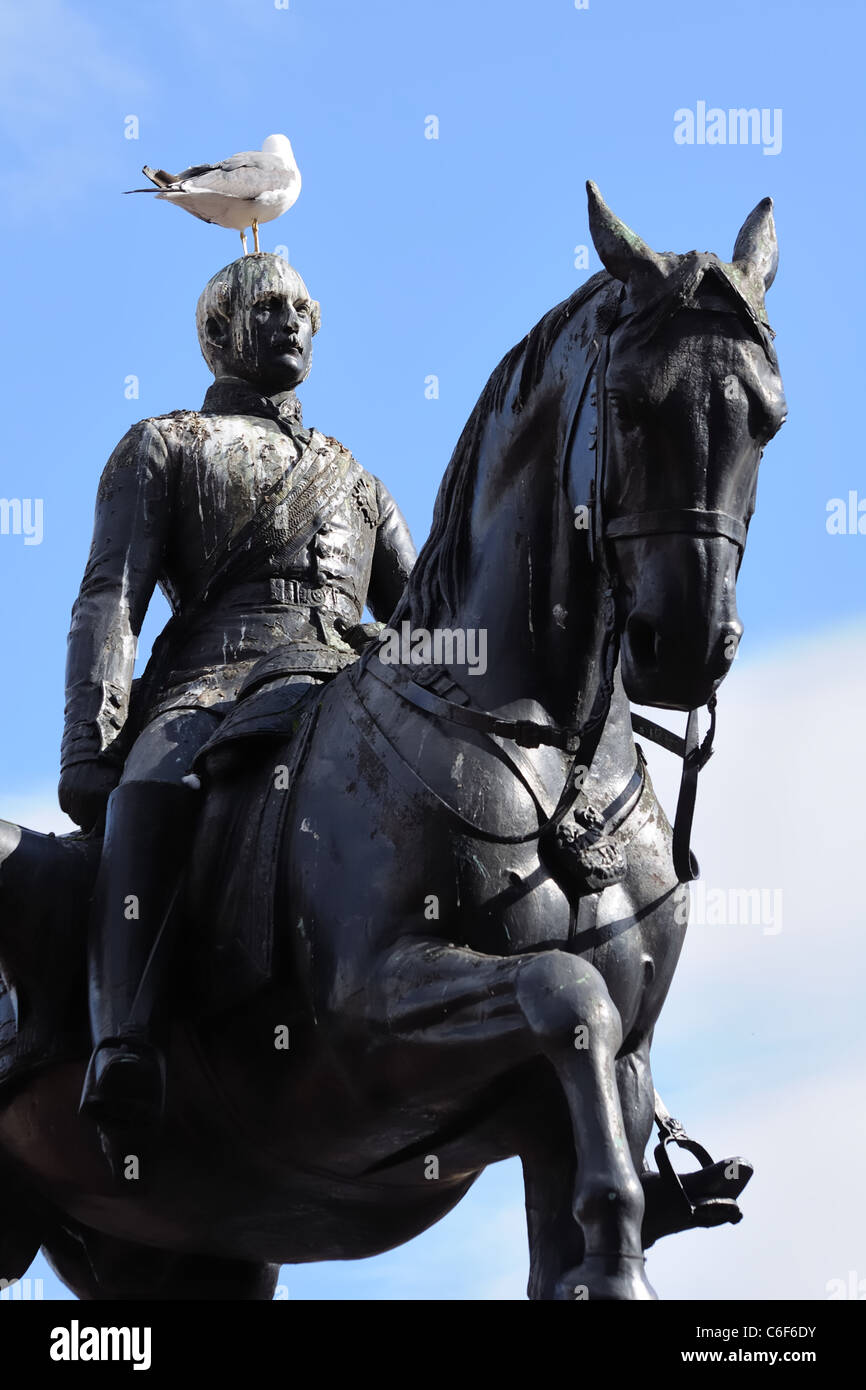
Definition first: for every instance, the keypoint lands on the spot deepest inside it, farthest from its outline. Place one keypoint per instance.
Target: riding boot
(148, 835)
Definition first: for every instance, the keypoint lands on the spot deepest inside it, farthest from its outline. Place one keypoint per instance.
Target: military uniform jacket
(173, 493)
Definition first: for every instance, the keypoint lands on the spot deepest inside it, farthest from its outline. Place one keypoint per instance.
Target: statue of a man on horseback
(463, 905)
(268, 539)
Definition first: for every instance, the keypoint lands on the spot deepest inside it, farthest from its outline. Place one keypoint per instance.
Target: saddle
(239, 841)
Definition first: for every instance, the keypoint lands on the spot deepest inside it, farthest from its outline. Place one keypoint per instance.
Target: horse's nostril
(642, 641)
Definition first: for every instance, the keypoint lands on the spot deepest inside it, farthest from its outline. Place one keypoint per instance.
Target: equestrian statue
(350, 914)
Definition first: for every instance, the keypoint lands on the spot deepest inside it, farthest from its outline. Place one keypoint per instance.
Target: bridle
(692, 521)
(526, 733)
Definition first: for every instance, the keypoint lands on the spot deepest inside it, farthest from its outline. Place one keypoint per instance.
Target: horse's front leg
(567, 1003)
(483, 1014)
(549, 1176)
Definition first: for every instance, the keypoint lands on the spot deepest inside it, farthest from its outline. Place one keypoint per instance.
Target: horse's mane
(436, 581)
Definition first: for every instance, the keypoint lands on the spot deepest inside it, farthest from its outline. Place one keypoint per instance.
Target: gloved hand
(85, 788)
(359, 635)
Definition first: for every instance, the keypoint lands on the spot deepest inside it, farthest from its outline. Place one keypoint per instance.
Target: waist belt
(293, 594)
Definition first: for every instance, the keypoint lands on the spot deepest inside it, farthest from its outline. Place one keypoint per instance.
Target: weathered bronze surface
(433, 907)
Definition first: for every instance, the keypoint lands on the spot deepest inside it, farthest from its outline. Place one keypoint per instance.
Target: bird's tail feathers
(160, 177)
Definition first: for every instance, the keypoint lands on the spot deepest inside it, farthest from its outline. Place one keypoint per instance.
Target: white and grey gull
(242, 191)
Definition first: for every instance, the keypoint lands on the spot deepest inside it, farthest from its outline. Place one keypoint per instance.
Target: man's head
(256, 320)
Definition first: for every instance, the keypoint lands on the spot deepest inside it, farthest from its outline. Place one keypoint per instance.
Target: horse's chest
(511, 904)
(530, 894)
(509, 901)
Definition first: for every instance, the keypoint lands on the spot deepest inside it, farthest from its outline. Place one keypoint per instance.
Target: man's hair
(243, 282)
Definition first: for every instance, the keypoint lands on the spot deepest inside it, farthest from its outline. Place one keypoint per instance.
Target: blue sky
(434, 257)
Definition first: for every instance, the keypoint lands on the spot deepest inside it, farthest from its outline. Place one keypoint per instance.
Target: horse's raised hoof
(619, 1278)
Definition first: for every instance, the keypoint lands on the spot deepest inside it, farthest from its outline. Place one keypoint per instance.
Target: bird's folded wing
(246, 178)
(199, 172)
(193, 172)
(251, 159)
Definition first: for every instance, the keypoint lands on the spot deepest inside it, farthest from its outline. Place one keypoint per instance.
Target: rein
(524, 732)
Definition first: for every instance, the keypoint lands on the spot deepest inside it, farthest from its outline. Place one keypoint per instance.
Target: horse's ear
(621, 251)
(756, 245)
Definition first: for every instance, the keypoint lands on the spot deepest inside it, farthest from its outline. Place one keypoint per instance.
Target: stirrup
(706, 1209)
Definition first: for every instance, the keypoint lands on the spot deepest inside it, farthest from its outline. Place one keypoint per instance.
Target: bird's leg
(244, 242)
(256, 234)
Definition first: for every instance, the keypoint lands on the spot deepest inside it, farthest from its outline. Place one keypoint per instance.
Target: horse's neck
(531, 583)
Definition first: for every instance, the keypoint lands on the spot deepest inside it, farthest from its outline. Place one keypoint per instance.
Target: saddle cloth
(238, 849)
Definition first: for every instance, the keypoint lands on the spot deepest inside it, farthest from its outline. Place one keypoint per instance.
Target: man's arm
(129, 531)
(393, 557)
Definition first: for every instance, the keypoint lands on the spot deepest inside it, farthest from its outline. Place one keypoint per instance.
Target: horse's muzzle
(677, 611)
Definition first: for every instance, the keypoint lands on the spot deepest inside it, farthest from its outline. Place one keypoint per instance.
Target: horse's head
(689, 394)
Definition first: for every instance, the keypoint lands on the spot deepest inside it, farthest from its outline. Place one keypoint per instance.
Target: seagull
(244, 190)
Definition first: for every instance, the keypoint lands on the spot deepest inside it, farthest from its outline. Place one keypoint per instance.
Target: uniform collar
(231, 395)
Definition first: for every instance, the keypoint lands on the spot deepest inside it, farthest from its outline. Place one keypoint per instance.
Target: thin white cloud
(64, 92)
(52, 59)
(803, 1221)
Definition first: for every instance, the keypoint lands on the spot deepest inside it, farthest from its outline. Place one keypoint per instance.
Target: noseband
(691, 521)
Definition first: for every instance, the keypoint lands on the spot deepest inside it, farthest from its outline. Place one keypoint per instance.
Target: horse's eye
(625, 411)
(763, 423)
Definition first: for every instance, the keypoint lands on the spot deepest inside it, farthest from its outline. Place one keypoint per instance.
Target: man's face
(269, 342)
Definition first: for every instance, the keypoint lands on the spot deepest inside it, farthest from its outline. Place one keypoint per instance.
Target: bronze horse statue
(458, 913)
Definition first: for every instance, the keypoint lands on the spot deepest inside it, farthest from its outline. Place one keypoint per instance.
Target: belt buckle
(317, 596)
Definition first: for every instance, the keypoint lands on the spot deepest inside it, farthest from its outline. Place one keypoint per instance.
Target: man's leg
(149, 825)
